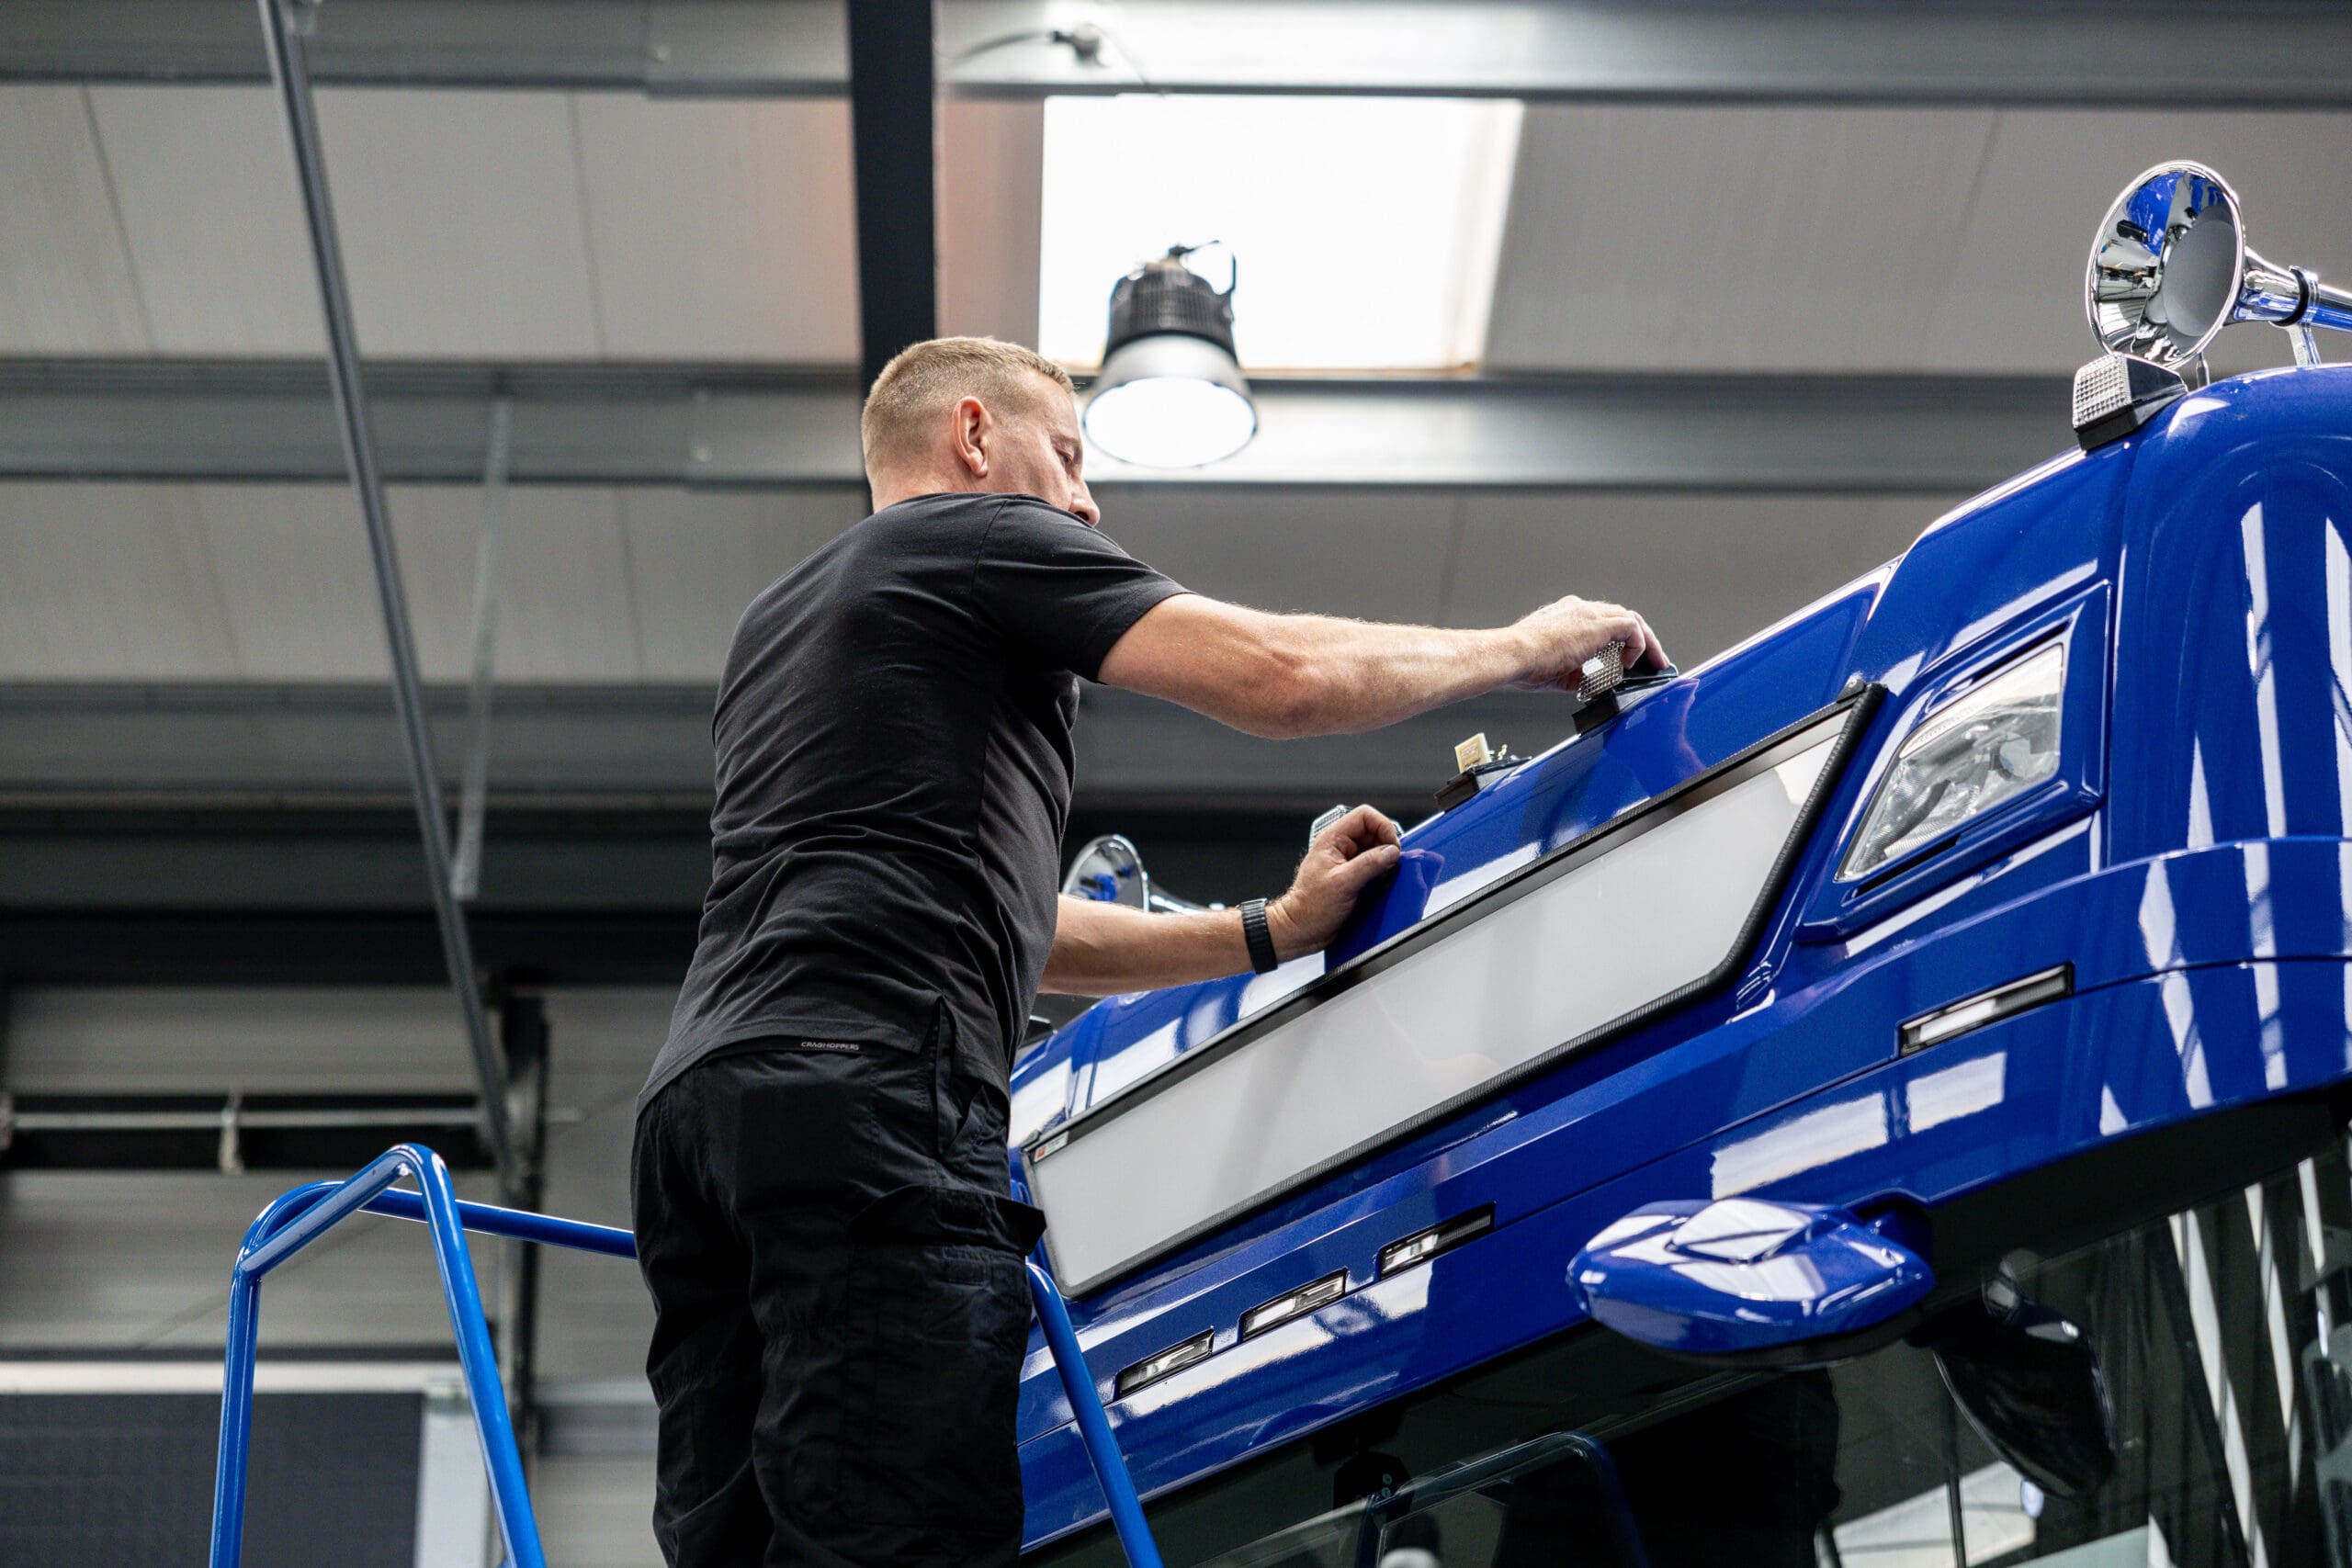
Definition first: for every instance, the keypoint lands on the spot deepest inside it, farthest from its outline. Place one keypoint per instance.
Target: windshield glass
(2172, 1396)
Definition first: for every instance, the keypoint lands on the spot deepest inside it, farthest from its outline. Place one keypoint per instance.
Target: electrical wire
(1088, 42)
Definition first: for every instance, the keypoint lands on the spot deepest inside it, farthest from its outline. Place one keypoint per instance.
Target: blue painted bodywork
(2191, 860)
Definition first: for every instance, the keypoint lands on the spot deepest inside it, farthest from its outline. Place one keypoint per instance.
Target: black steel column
(523, 1027)
(892, 123)
(8, 1100)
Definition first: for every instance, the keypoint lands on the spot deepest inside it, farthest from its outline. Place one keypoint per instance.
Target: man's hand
(1340, 863)
(1562, 634)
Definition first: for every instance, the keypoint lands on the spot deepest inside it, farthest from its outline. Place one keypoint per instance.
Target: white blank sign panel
(1657, 906)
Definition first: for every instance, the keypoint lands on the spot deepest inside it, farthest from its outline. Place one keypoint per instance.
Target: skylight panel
(1366, 232)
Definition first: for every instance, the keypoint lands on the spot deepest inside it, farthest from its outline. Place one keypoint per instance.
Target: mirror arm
(2290, 297)
(2325, 305)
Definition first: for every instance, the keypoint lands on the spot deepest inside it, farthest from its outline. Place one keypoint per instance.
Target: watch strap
(1258, 935)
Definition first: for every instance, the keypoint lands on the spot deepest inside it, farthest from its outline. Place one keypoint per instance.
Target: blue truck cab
(1876, 1099)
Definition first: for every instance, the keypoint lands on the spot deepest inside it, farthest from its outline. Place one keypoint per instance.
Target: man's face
(1038, 450)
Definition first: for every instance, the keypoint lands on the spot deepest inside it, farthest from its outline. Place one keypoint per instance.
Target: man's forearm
(1100, 950)
(1289, 675)
(1362, 675)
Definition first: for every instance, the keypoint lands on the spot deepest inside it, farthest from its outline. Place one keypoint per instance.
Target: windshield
(2174, 1395)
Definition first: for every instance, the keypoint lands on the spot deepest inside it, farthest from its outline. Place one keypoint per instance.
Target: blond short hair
(903, 409)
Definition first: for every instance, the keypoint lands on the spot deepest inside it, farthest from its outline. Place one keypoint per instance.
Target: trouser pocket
(937, 1319)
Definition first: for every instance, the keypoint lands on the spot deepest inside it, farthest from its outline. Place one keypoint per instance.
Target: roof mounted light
(1170, 394)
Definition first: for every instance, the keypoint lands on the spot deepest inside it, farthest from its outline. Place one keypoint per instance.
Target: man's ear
(969, 427)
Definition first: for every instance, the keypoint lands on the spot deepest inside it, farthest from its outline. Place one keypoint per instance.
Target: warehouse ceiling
(493, 226)
(1767, 289)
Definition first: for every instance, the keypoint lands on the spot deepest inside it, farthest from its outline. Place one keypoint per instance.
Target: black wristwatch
(1261, 937)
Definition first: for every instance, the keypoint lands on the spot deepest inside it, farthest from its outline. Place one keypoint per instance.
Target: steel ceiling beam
(272, 420)
(2066, 54)
(260, 897)
(630, 750)
(726, 47)
(244, 833)
(740, 428)
(218, 945)
(2060, 52)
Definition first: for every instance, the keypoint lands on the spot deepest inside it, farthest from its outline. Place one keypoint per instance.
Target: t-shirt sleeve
(1061, 590)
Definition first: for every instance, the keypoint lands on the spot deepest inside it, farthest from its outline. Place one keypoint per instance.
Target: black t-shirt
(893, 774)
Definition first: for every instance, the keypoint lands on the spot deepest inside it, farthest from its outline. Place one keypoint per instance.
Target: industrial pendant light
(1170, 394)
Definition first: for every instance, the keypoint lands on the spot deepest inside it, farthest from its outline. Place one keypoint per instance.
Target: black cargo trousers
(840, 1308)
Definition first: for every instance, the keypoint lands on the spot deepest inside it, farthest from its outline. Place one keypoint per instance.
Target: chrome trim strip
(1954, 1019)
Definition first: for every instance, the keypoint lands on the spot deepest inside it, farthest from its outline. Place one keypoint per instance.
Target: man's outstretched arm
(1100, 950)
(1284, 676)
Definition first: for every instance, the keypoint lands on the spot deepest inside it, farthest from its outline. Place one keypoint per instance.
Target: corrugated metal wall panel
(696, 560)
(1678, 238)
(596, 1512)
(597, 1318)
(1863, 238)
(108, 1263)
(2013, 293)
(565, 610)
(463, 223)
(1380, 554)
(165, 583)
(1706, 570)
(992, 161)
(720, 231)
(211, 215)
(197, 1040)
(65, 278)
(110, 582)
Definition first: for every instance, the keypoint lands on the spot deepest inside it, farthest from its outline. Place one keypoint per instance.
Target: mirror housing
(2166, 265)
(1754, 1281)
(2027, 1378)
(2169, 267)
(1109, 870)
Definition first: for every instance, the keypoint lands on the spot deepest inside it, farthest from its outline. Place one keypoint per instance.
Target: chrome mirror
(2165, 265)
(1109, 870)
(2169, 269)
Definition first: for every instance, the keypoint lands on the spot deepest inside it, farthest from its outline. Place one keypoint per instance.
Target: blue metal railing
(1086, 1407)
(309, 1212)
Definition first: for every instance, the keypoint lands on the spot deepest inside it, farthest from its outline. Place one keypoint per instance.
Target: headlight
(1990, 746)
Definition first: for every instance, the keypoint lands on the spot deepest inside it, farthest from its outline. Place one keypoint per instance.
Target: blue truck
(1877, 1098)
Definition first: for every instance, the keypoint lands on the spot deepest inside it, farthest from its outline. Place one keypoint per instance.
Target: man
(819, 1174)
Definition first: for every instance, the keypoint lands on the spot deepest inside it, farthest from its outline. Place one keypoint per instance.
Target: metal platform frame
(306, 1212)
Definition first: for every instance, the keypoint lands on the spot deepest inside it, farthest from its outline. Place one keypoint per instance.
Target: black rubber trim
(2306, 294)
(1858, 708)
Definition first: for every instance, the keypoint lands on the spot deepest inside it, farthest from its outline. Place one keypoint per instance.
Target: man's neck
(890, 489)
